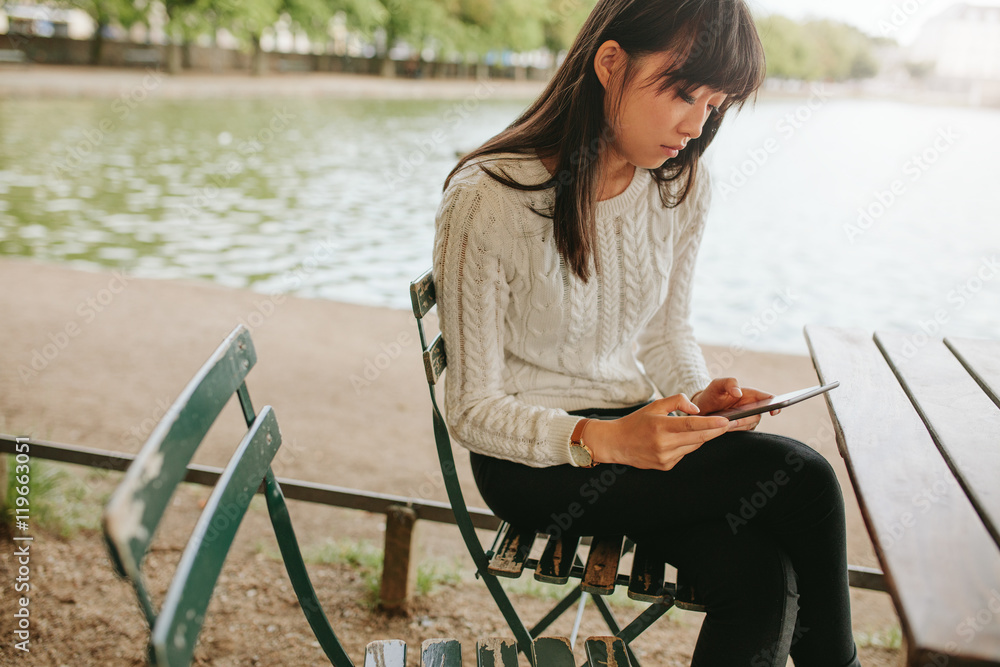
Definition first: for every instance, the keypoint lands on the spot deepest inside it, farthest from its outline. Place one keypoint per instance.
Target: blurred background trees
(494, 31)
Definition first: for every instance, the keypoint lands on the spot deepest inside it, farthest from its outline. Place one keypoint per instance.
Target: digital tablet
(773, 403)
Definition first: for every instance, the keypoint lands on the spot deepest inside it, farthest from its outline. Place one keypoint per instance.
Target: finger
(746, 423)
(755, 394)
(676, 402)
(696, 424)
(733, 388)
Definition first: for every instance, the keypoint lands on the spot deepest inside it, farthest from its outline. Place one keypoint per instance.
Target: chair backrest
(423, 296)
(137, 506)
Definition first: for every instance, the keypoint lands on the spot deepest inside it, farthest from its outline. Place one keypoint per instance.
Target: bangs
(722, 51)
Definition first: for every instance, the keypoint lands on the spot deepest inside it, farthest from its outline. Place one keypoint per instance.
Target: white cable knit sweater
(526, 340)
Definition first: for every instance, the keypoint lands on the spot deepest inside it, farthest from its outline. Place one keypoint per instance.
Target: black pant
(754, 521)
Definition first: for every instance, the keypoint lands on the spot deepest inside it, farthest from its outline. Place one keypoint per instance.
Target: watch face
(581, 457)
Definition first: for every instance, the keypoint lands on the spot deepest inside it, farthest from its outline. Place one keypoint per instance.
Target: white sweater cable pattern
(527, 341)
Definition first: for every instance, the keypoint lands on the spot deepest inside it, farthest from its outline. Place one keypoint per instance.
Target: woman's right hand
(650, 438)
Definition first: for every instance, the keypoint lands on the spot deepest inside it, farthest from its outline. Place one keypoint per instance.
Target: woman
(564, 256)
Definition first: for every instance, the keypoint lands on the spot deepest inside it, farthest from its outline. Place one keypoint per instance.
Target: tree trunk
(258, 59)
(174, 64)
(97, 44)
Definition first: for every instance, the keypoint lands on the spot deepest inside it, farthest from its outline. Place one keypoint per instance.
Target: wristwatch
(578, 450)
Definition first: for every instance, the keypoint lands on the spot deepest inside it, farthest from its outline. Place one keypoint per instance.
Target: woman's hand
(725, 393)
(650, 438)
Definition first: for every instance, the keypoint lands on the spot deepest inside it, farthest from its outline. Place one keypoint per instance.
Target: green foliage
(105, 12)
(366, 560)
(563, 20)
(889, 638)
(433, 574)
(816, 50)
(59, 501)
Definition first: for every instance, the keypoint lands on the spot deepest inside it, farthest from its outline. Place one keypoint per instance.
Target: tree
(246, 20)
(107, 12)
(563, 21)
(816, 50)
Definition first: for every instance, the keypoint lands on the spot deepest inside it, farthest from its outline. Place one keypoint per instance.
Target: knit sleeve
(667, 346)
(471, 241)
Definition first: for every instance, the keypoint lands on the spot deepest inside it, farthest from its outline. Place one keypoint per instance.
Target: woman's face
(650, 126)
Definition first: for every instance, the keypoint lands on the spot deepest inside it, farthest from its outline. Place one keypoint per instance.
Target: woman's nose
(693, 123)
(695, 120)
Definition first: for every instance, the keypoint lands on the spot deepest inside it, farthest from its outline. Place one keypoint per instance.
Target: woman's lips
(672, 151)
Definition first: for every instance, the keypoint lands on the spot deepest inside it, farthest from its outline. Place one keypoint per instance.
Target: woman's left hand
(723, 393)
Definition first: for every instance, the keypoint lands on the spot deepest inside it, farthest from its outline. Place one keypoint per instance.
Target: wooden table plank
(962, 420)
(982, 359)
(942, 567)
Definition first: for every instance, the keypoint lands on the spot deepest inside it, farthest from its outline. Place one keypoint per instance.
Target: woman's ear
(610, 57)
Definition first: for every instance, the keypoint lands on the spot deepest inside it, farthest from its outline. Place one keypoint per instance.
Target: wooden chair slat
(557, 559)
(948, 400)
(981, 359)
(607, 652)
(646, 583)
(176, 631)
(686, 596)
(512, 552)
(441, 653)
(553, 652)
(496, 652)
(435, 360)
(601, 571)
(386, 653)
(422, 294)
(939, 554)
(137, 505)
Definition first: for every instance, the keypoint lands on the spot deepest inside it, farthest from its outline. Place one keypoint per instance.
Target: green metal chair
(509, 554)
(137, 505)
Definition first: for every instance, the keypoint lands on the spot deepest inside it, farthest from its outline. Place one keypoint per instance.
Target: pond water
(840, 211)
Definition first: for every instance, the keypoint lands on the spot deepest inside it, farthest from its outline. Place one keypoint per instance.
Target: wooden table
(918, 424)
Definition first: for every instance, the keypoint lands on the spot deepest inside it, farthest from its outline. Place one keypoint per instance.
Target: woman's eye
(686, 98)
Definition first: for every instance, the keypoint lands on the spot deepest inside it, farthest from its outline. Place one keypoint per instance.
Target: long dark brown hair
(716, 45)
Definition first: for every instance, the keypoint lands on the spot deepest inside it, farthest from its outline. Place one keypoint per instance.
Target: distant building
(45, 21)
(963, 43)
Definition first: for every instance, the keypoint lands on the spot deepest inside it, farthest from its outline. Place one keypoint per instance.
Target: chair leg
(642, 621)
(606, 612)
(576, 623)
(556, 612)
(633, 629)
(521, 634)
